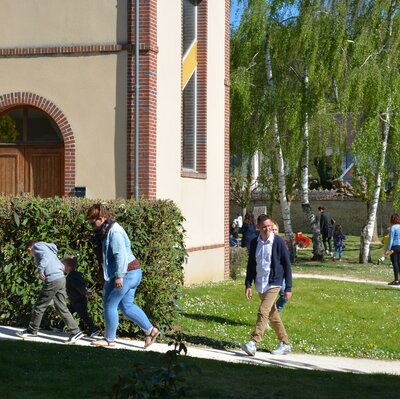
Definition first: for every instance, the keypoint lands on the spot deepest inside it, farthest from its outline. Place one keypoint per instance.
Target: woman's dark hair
(249, 218)
(97, 211)
(395, 218)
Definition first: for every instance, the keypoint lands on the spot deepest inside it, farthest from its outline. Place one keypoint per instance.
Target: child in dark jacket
(78, 295)
(338, 238)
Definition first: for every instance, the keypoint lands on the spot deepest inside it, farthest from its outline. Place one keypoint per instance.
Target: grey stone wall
(350, 213)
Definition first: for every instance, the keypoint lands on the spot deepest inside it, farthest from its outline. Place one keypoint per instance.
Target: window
(28, 126)
(189, 85)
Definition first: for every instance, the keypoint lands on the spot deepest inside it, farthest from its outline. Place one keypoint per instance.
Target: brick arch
(25, 98)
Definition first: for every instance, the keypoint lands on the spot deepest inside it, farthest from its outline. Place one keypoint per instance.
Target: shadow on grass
(209, 342)
(215, 319)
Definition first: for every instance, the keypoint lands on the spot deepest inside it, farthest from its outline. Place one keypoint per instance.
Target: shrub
(158, 381)
(237, 262)
(154, 227)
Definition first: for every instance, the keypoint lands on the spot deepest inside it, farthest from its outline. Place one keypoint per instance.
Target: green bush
(237, 262)
(154, 227)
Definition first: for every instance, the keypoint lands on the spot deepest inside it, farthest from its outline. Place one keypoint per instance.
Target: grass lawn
(323, 317)
(43, 371)
(349, 266)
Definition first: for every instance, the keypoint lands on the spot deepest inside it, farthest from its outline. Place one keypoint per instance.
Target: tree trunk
(367, 230)
(285, 208)
(305, 205)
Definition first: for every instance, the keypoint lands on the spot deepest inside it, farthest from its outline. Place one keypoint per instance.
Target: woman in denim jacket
(122, 276)
(393, 247)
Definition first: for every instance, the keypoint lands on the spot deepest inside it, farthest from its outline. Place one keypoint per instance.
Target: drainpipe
(137, 99)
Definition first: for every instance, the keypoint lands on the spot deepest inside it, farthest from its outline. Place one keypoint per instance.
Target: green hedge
(154, 227)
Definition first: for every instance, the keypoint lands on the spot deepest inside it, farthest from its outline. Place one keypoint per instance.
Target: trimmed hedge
(154, 227)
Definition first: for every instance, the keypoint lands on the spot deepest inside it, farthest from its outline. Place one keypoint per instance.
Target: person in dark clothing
(326, 227)
(78, 295)
(234, 234)
(249, 230)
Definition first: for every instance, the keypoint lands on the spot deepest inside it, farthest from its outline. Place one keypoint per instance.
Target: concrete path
(293, 360)
(339, 278)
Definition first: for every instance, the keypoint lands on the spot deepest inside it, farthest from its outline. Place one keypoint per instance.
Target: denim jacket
(394, 237)
(117, 253)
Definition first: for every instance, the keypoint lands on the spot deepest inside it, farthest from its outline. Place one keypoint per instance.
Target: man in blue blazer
(268, 265)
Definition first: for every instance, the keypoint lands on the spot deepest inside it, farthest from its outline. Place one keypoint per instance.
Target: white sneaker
(74, 337)
(282, 349)
(26, 334)
(249, 348)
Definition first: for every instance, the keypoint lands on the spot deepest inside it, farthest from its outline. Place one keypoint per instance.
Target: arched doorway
(31, 153)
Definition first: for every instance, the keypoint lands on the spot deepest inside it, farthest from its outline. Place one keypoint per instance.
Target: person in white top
(268, 265)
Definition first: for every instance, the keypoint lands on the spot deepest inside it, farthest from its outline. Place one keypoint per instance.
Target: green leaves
(157, 237)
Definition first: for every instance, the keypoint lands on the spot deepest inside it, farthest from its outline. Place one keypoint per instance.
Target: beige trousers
(268, 313)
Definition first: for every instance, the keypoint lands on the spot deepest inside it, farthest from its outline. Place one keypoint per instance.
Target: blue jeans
(338, 250)
(281, 302)
(123, 298)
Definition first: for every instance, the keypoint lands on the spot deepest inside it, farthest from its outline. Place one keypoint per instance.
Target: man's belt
(133, 265)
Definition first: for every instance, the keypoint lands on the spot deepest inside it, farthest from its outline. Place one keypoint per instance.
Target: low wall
(350, 213)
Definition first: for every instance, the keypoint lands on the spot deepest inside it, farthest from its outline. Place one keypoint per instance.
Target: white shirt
(263, 264)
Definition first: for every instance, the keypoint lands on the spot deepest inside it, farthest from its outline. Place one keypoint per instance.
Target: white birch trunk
(368, 228)
(305, 204)
(285, 208)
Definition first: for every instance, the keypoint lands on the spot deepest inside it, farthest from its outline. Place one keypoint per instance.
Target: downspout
(137, 99)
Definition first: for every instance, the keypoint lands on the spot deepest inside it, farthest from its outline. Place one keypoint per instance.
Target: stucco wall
(204, 266)
(91, 92)
(201, 200)
(42, 23)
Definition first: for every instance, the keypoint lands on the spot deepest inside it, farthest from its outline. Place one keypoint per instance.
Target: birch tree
(374, 95)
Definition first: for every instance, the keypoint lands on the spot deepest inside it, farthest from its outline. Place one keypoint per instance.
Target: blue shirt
(394, 237)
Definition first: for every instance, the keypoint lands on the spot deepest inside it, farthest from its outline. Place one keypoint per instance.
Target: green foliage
(8, 129)
(237, 262)
(374, 90)
(157, 237)
(156, 381)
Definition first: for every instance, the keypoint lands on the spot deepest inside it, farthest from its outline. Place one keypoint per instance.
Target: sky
(235, 12)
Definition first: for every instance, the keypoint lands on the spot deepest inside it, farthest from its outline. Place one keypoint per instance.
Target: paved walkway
(339, 278)
(293, 360)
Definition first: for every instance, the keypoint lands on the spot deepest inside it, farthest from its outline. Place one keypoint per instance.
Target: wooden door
(11, 171)
(39, 171)
(44, 171)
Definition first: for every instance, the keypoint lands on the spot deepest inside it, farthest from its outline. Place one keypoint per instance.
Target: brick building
(121, 99)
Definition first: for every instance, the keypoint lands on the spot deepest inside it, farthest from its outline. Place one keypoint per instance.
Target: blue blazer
(280, 264)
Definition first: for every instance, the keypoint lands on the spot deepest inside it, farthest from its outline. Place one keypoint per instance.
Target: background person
(249, 230)
(326, 227)
(281, 302)
(122, 276)
(267, 266)
(394, 245)
(338, 241)
(234, 234)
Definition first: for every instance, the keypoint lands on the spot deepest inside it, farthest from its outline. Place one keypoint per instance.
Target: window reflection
(41, 128)
(28, 125)
(11, 127)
